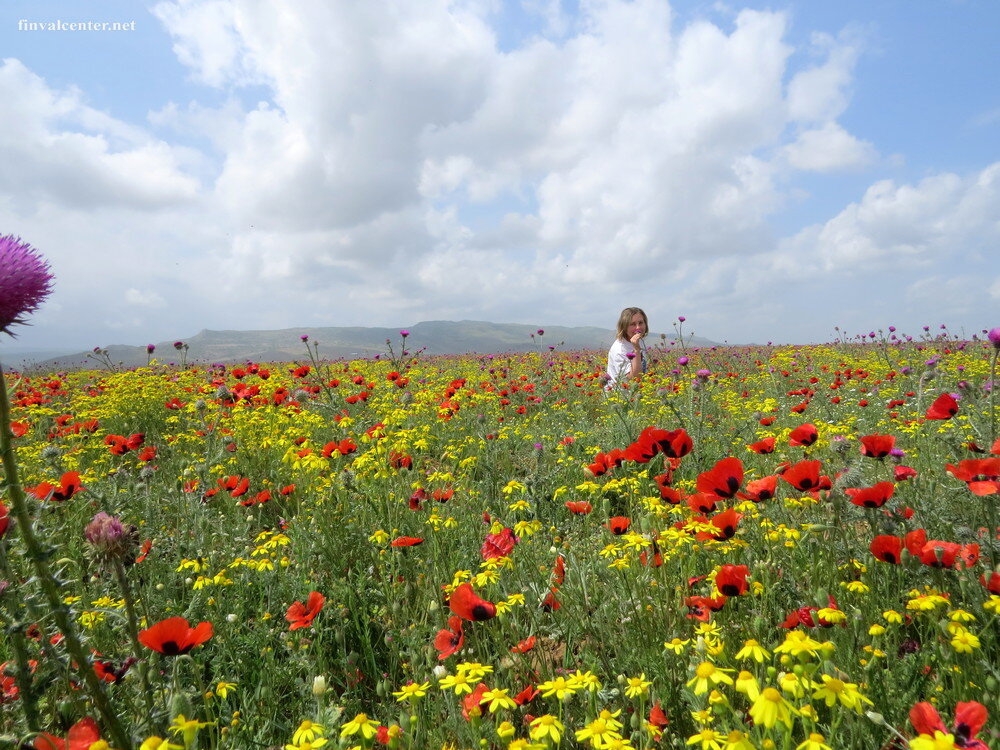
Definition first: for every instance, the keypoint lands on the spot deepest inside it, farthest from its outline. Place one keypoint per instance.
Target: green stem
(48, 582)
(18, 642)
(133, 628)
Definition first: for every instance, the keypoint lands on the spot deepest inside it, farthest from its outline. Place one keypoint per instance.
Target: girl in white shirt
(627, 357)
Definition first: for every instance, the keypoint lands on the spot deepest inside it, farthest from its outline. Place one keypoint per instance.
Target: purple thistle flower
(25, 281)
(541, 331)
(994, 337)
(150, 348)
(404, 333)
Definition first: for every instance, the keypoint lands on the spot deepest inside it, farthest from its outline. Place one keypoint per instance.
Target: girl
(627, 357)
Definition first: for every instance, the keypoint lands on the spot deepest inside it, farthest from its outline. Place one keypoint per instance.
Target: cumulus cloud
(58, 148)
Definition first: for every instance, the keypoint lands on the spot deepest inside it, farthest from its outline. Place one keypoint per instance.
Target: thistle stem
(19, 644)
(133, 628)
(48, 582)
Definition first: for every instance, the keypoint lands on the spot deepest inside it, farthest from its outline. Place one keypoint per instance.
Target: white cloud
(828, 149)
(57, 148)
(144, 298)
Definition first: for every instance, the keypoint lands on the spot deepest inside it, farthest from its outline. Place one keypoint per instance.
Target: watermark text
(60, 25)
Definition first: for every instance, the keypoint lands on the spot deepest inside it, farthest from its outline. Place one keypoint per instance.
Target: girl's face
(636, 325)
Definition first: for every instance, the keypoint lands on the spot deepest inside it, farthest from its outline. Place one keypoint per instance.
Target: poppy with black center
(722, 480)
(887, 548)
(449, 640)
(731, 580)
(618, 525)
(969, 719)
(803, 435)
(871, 497)
(944, 407)
(805, 477)
(174, 636)
(877, 446)
(465, 603)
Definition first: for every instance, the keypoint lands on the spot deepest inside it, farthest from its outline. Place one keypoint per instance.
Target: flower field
(766, 547)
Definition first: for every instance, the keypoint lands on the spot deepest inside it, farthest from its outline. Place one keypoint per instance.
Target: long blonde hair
(626, 317)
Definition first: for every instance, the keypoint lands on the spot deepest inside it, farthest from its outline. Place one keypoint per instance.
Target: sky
(770, 171)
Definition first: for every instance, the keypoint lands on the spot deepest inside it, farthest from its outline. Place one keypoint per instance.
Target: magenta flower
(150, 348)
(994, 337)
(25, 281)
(404, 334)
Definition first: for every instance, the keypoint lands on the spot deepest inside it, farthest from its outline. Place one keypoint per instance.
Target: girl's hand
(636, 338)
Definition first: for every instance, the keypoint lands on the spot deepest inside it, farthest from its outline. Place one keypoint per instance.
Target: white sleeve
(619, 365)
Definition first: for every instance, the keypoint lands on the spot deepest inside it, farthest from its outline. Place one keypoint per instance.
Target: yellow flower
(992, 604)
(362, 725)
(307, 732)
(707, 738)
(876, 629)
(599, 731)
(965, 642)
(586, 680)
(771, 708)
(753, 650)
(892, 616)
(188, 728)
(560, 687)
(379, 537)
(224, 688)
(637, 686)
(459, 682)
(412, 692)
(677, 645)
(815, 741)
(310, 745)
(474, 669)
(846, 693)
(707, 674)
(505, 730)
(940, 741)
(158, 743)
(747, 684)
(737, 740)
(797, 643)
(547, 727)
(498, 699)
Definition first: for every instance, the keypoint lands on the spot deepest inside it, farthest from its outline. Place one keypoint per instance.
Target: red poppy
(939, 554)
(4, 519)
(19, 429)
(763, 446)
(992, 584)
(302, 615)
(106, 671)
(406, 541)
(524, 646)
(604, 462)
(498, 545)
(803, 435)
(443, 494)
(902, 473)
(701, 607)
(400, 460)
(472, 704)
(767, 421)
(147, 454)
(877, 446)
(981, 475)
(449, 640)
(800, 616)
(579, 507)
(702, 502)
(550, 603)
(559, 570)
(618, 525)
(651, 441)
(969, 719)
(805, 477)
(723, 479)
(726, 522)
(81, 736)
(147, 545)
(887, 548)
(657, 717)
(731, 580)
(465, 603)
(944, 407)
(175, 636)
(761, 489)
(69, 485)
(526, 696)
(416, 500)
(914, 541)
(871, 497)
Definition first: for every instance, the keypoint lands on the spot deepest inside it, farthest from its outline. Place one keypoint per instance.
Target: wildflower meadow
(747, 547)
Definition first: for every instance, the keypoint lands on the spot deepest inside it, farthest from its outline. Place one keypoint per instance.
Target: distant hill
(434, 337)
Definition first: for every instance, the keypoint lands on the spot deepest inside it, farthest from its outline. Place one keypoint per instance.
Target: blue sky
(769, 171)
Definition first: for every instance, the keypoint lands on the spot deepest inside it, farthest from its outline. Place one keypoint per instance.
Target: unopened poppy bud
(319, 685)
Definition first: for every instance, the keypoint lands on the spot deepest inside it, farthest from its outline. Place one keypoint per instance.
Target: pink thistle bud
(110, 538)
